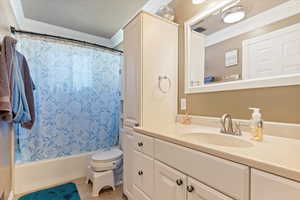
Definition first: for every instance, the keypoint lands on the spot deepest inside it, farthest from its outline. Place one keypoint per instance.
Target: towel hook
(160, 78)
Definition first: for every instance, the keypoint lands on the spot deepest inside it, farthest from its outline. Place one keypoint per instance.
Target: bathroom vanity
(164, 160)
(173, 165)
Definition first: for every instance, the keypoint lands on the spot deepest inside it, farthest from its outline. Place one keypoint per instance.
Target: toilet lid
(107, 156)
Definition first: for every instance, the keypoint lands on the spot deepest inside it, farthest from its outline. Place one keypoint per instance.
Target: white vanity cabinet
(150, 85)
(167, 171)
(127, 146)
(199, 191)
(170, 184)
(150, 62)
(158, 175)
(143, 144)
(265, 186)
(132, 70)
(143, 176)
(228, 177)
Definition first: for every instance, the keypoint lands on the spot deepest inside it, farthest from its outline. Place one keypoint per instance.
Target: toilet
(101, 169)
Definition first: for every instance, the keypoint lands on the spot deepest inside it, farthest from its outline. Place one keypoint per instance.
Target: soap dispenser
(256, 124)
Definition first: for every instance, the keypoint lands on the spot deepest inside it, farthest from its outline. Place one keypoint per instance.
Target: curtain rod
(13, 30)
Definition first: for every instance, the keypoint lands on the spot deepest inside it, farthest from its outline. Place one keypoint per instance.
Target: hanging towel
(16, 96)
(22, 104)
(28, 87)
(5, 78)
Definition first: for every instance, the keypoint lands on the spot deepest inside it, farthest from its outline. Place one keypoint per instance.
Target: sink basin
(219, 140)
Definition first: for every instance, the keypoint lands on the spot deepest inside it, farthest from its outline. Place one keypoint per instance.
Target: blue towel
(209, 79)
(20, 108)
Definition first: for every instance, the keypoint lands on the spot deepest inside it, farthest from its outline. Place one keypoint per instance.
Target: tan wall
(6, 156)
(6, 18)
(215, 54)
(281, 104)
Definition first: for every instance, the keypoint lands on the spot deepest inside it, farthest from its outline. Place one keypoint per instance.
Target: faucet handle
(238, 130)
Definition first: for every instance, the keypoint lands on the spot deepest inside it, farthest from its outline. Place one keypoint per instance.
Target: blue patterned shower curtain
(77, 99)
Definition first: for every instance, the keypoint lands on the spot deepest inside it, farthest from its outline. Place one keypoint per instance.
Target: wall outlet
(183, 104)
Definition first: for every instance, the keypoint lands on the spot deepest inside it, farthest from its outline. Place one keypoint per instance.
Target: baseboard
(42, 174)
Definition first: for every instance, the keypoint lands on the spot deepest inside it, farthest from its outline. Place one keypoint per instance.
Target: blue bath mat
(63, 192)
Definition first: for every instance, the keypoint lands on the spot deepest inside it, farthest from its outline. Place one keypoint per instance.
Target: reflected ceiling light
(233, 14)
(198, 1)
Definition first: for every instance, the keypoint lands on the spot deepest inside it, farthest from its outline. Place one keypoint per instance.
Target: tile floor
(85, 191)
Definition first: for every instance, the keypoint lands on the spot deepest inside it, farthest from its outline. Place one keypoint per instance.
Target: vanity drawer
(143, 174)
(144, 144)
(265, 186)
(225, 176)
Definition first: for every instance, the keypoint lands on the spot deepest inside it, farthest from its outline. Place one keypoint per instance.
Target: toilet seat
(106, 160)
(107, 156)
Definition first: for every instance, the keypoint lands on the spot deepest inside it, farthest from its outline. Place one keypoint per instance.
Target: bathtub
(37, 175)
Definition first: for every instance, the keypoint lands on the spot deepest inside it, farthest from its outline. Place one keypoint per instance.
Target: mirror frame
(276, 81)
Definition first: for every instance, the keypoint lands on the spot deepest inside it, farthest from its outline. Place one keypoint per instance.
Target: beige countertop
(277, 155)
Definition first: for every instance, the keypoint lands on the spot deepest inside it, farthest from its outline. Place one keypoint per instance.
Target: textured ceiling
(97, 17)
(214, 23)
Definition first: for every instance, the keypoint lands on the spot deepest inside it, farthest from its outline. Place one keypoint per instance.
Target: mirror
(241, 44)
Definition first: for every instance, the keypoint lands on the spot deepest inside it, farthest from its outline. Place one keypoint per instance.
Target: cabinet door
(208, 169)
(169, 183)
(143, 175)
(160, 59)
(266, 186)
(127, 145)
(199, 191)
(132, 67)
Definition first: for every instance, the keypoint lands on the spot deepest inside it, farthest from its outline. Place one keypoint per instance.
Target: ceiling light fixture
(233, 14)
(198, 1)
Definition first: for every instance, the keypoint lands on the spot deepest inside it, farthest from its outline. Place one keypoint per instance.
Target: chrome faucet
(227, 126)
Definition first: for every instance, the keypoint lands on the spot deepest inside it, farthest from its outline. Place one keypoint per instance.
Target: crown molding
(117, 38)
(45, 28)
(41, 27)
(152, 6)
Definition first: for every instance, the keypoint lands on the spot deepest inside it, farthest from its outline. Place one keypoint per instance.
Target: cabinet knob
(140, 144)
(190, 188)
(179, 182)
(140, 173)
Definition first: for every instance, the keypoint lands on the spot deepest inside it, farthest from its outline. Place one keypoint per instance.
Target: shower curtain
(77, 99)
